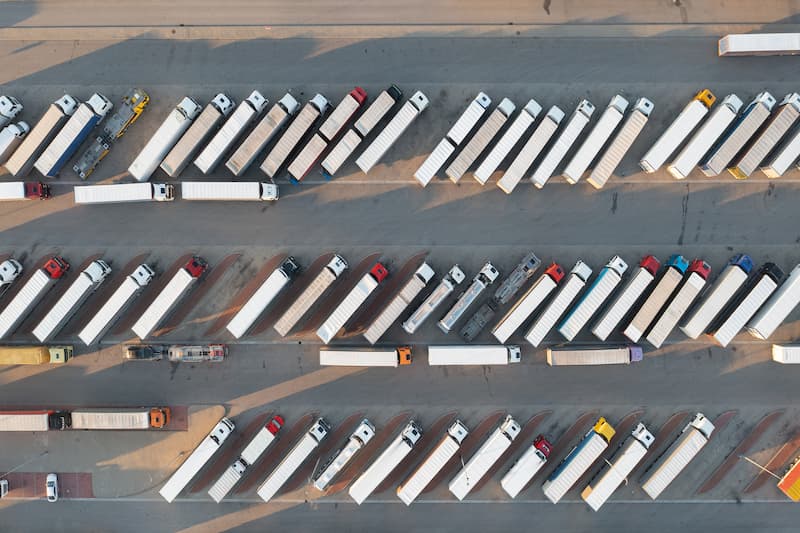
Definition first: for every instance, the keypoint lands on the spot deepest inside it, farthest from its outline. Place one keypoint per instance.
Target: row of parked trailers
(609, 473)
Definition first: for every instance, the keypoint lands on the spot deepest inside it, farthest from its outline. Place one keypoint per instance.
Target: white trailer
(676, 133)
(777, 308)
(487, 275)
(569, 290)
(265, 295)
(108, 314)
(593, 355)
(787, 354)
(399, 303)
(526, 467)
(165, 137)
(530, 151)
(510, 138)
(360, 438)
(310, 295)
(313, 110)
(558, 151)
(784, 157)
(11, 137)
(386, 357)
(578, 461)
(782, 120)
(702, 141)
(678, 456)
(485, 458)
(229, 191)
(30, 294)
(737, 136)
(530, 301)
(448, 284)
(294, 459)
(746, 304)
(123, 193)
(24, 421)
(433, 464)
(695, 280)
(618, 147)
(386, 462)
(473, 355)
(591, 301)
(393, 130)
(596, 139)
(672, 276)
(197, 135)
(197, 460)
(65, 307)
(354, 299)
(272, 123)
(729, 281)
(759, 44)
(458, 132)
(118, 419)
(9, 108)
(617, 469)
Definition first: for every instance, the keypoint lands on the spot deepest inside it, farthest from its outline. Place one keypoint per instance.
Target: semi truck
(526, 466)
(490, 354)
(569, 290)
(24, 190)
(695, 280)
(249, 456)
(787, 354)
(706, 136)
(294, 459)
(579, 460)
(732, 142)
(69, 138)
(339, 460)
(123, 193)
(229, 191)
(487, 275)
(678, 456)
(328, 131)
(9, 108)
(361, 128)
(537, 142)
(386, 463)
(119, 419)
(729, 281)
(207, 448)
(365, 357)
(759, 44)
(130, 109)
(558, 151)
(423, 275)
(455, 136)
(670, 279)
(433, 463)
(247, 111)
(11, 137)
(771, 134)
(302, 123)
(22, 160)
(265, 295)
(777, 308)
(485, 458)
(392, 131)
(170, 295)
(10, 271)
(510, 138)
(35, 355)
(31, 294)
(164, 139)
(593, 355)
(591, 301)
(354, 299)
(310, 295)
(526, 305)
(28, 421)
(745, 304)
(266, 130)
(617, 469)
(596, 139)
(197, 135)
(448, 284)
(619, 146)
(481, 140)
(65, 307)
(116, 304)
(683, 125)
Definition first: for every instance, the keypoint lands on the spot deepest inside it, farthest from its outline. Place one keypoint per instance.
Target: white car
(52, 488)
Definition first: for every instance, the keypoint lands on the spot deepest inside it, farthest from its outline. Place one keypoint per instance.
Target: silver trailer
(777, 308)
(510, 138)
(448, 284)
(487, 275)
(561, 147)
(569, 290)
(596, 139)
(313, 110)
(594, 297)
(537, 142)
(399, 303)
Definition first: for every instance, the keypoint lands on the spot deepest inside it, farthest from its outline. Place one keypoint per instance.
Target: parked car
(145, 352)
(213, 353)
(52, 488)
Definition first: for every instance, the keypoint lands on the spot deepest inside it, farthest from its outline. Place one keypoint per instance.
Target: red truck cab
(359, 94)
(651, 264)
(196, 266)
(543, 445)
(56, 267)
(275, 425)
(379, 272)
(36, 190)
(556, 272)
(702, 268)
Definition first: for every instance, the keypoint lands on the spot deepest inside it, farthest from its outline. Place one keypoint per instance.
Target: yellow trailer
(34, 355)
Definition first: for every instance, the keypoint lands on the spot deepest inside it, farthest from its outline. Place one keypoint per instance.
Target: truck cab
(543, 445)
(275, 425)
(196, 266)
(163, 192)
(98, 270)
(379, 272)
(160, 417)
(651, 264)
(56, 267)
(404, 355)
(604, 429)
(143, 275)
(36, 190)
(290, 267)
(701, 268)
(9, 107)
(556, 272)
(10, 269)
